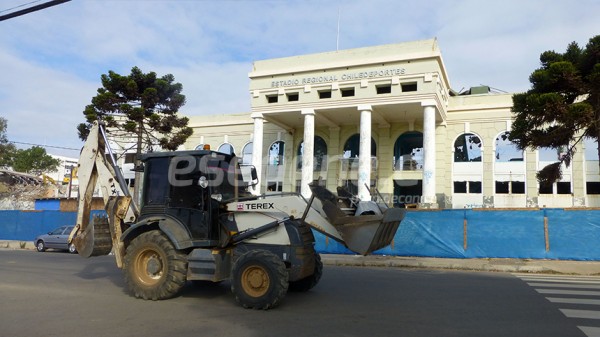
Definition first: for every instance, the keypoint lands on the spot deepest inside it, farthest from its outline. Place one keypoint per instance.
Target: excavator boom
(102, 235)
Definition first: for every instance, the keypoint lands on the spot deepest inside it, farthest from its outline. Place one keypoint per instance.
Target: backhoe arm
(102, 235)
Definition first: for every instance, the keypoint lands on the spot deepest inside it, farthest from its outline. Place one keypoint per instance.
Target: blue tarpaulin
(572, 234)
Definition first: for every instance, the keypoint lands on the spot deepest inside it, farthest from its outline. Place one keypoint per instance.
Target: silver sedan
(56, 239)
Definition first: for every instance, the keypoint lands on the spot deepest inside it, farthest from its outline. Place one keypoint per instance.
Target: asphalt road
(59, 294)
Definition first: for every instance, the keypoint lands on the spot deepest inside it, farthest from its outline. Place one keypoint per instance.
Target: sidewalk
(499, 265)
(489, 264)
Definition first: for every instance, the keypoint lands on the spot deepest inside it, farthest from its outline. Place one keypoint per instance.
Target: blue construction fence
(563, 234)
(535, 234)
(26, 225)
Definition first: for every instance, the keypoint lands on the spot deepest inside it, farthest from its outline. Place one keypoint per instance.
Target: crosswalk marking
(590, 331)
(574, 313)
(568, 292)
(565, 285)
(573, 300)
(577, 297)
(550, 281)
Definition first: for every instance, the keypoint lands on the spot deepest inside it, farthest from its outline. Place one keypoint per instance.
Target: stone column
(364, 155)
(257, 146)
(308, 151)
(428, 198)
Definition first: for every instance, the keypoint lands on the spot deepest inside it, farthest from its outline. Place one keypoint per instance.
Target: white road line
(568, 292)
(574, 313)
(590, 331)
(573, 300)
(537, 279)
(565, 285)
(564, 277)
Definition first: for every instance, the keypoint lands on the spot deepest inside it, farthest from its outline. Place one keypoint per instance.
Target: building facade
(385, 119)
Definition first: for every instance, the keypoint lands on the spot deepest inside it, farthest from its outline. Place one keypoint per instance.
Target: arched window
(592, 169)
(246, 158)
(547, 156)
(320, 155)
(351, 151)
(467, 148)
(509, 172)
(408, 152)
(199, 147)
(352, 147)
(275, 167)
(276, 152)
(507, 150)
(467, 172)
(226, 148)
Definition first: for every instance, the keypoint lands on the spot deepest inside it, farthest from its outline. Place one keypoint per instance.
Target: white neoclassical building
(386, 118)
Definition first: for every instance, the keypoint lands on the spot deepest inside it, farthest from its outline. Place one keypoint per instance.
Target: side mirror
(249, 175)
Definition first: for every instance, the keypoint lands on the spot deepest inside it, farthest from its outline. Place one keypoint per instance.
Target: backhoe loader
(197, 221)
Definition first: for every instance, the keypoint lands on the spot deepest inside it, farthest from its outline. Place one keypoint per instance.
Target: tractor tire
(259, 280)
(311, 281)
(154, 269)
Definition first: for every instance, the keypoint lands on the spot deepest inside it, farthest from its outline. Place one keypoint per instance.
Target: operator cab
(191, 186)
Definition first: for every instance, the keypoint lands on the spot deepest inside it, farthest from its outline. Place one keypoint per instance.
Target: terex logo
(264, 205)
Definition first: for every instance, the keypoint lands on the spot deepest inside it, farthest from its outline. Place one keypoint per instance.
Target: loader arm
(362, 229)
(103, 234)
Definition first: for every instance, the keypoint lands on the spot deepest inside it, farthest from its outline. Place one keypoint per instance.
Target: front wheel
(40, 246)
(154, 269)
(311, 281)
(259, 280)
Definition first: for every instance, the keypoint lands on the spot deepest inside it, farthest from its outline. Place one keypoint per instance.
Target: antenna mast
(337, 39)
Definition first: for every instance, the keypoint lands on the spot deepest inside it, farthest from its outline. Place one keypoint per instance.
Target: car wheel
(72, 248)
(40, 246)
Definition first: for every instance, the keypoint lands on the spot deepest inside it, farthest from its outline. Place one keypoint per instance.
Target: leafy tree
(139, 106)
(563, 105)
(34, 160)
(7, 149)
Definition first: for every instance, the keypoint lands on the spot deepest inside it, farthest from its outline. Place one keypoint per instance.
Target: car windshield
(57, 231)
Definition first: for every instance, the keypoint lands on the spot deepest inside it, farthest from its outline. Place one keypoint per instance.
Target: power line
(51, 146)
(19, 6)
(31, 9)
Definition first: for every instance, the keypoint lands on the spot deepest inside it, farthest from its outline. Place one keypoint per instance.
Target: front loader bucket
(95, 239)
(364, 226)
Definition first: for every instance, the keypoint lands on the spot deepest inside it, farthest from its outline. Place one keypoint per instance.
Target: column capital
(307, 111)
(256, 115)
(428, 102)
(365, 107)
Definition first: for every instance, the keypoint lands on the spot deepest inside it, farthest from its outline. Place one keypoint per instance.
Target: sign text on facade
(360, 75)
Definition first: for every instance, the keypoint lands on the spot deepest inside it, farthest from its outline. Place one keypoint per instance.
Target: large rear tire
(311, 281)
(259, 280)
(154, 269)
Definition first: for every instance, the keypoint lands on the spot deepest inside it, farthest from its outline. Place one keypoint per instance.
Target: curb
(14, 244)
(564, 267)
(584, 268)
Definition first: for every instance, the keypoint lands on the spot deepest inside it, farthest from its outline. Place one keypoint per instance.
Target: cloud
(52, 59)
(42, 106)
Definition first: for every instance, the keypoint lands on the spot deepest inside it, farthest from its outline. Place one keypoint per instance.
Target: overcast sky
(51, 60)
